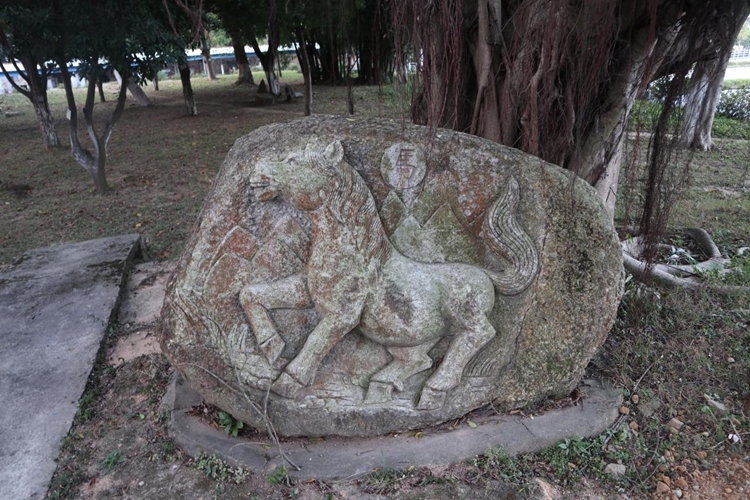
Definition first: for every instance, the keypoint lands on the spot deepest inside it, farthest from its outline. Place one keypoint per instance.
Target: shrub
(729, 128)
(734, 103)
(736, 84)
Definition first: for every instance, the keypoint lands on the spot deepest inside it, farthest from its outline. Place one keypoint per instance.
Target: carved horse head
(302, 179)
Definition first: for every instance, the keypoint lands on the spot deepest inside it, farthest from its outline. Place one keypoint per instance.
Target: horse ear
(334, 153)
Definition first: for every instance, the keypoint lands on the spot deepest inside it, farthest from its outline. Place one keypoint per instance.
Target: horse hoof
(272, 348)
(431, 399)
(286, 386)
(379, 392)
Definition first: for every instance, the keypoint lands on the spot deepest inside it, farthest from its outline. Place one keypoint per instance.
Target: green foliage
(86, 406)
(65, 484)
(744, 36)
(691, 343)
(646, 113)
(129, 37)
(112, 460)
(735, 84)
(571, 458)
(735, 103)
(215, 468)
(278, 476)
(169, 450)
(230, 424)
(430, 478)
(219, 38)
(658, 88)
(738, 273)
(28, 28)
(730, 128)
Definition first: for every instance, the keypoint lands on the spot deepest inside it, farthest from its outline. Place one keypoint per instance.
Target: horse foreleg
(301, 371)
(258, 299)
(465, 345)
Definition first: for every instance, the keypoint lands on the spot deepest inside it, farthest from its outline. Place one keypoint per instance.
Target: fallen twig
(270, 429)
(635, 387)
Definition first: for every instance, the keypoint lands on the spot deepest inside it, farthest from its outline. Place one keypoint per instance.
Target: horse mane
(353, 205)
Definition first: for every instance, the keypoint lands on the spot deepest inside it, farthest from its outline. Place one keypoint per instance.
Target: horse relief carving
(355, 278)
(387, 284)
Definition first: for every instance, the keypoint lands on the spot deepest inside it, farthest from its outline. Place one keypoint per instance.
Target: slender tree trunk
(305, 63)
(347, 59)
(331, 38)
(485, 121)
(206, 55)
(349, 86)
(100, 86)
(702, 97)
(95, 162)
(46, 121)
(187, 89)
(245, 76)
(268, 61)
(274, 87)
(138, 94)
(705, 86)
(37, 94)
(156, 82)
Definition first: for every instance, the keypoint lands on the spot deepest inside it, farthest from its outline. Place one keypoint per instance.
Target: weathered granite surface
(354, 278)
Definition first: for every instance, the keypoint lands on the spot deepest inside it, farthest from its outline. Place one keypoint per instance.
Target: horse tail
(505, 237)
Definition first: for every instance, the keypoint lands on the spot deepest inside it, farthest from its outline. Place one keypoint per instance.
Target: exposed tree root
(684, 276)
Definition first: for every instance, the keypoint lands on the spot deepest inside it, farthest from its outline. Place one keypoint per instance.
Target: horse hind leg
(464, 346)
(407, 361)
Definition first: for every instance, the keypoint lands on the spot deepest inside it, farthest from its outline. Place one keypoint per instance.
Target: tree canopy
(555, 79)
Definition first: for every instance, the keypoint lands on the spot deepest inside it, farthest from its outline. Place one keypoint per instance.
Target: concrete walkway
(55, 307)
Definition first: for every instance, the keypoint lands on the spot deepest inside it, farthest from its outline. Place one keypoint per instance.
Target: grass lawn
(160, 162)
(670, 351)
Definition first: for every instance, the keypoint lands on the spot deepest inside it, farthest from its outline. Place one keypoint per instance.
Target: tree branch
(6, 46)
(26, 65)
(80, 154)
(20, 89)
(88, 115)
(117, 113)
(482, 62)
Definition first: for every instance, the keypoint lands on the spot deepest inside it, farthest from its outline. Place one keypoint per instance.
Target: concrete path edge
(56, 305)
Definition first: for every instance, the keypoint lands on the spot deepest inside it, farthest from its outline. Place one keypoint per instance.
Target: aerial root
(683, 276)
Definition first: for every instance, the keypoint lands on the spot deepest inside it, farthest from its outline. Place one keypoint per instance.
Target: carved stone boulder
(360, 277)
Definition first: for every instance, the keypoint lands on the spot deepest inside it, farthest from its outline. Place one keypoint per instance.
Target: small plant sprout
(112, 460)
(217, 469)
(278, 476)
(230, 424)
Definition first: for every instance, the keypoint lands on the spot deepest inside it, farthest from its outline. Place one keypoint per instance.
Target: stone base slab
(342, 458)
